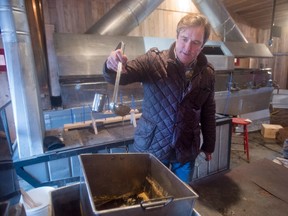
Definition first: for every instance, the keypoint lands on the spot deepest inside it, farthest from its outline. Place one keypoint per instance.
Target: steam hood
(249, 50)
(237, 49)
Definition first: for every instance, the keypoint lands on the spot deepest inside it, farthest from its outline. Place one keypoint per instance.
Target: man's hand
(114, 58)
(208, 156)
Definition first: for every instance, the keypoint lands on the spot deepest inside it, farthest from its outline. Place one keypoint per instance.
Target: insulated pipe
(124, 17)
(270, 42)
(220, 20)
(24, 88)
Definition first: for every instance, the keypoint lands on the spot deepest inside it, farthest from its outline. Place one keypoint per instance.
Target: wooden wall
(76, 16)
(279, 49)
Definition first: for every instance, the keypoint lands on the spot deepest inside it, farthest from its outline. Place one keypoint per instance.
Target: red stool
(244, 122)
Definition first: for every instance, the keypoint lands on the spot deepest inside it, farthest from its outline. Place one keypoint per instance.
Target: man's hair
(194, 20)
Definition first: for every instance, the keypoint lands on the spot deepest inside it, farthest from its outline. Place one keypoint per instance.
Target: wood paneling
(75, 16)
(279, 49)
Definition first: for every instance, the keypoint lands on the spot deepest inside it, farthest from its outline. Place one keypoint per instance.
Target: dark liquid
(120, 202)
(150, 188)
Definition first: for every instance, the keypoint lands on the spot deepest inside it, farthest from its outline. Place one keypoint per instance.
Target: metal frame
(20, 164)
(108, 146)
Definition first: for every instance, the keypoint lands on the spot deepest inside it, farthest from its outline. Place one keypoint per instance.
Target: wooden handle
(103, 120)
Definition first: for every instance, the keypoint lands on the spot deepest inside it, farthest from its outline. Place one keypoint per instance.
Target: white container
(41, 195)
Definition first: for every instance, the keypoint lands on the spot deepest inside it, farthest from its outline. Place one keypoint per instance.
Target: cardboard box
(270, 130)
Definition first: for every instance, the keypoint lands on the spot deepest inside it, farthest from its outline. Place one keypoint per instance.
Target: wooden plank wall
(279, 49)
(76, 16)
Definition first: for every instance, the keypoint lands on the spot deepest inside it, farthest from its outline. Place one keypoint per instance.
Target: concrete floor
(259, 148)
(226, 203)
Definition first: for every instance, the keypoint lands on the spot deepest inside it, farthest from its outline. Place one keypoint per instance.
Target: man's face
(189, 44)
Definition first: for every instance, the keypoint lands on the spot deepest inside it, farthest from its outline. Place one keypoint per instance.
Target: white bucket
(41, 195)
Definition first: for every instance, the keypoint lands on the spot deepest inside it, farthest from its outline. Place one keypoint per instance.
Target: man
(178, 97)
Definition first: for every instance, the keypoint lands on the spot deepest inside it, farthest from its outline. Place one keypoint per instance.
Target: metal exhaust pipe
(220, 20)
(124, 17)
(24, 88)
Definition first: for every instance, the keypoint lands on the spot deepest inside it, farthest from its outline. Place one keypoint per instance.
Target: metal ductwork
(220, 20)
(24, 88)
(124, 17)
